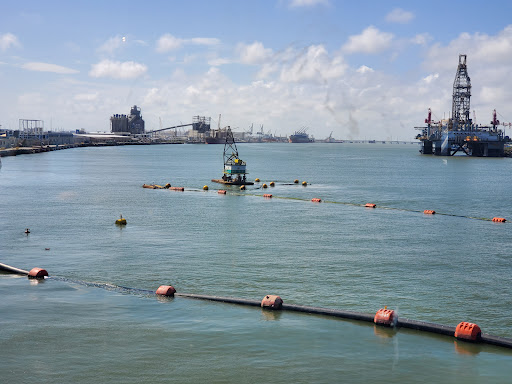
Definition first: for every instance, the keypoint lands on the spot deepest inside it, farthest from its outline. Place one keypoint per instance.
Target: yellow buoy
(257, 180)
(121, 221)
(304, 183)
(264, 186)
(242, 187)
(167, 186)
(272, 184)
(205, 188)
(296, 181)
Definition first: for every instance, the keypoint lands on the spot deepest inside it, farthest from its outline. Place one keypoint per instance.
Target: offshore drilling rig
(460, 133)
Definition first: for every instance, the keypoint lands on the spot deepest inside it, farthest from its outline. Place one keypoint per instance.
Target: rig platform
(460, 132)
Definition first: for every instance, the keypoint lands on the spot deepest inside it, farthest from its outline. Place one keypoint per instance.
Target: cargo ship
(217, 136)
(301, 136)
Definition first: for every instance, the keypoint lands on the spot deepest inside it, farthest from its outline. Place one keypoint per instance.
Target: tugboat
(234, 167)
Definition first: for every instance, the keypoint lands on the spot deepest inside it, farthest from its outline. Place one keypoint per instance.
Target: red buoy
(272, 302)
(37, 273)
(468, 331)
(166, 290)
(316, 200)
(385, 317)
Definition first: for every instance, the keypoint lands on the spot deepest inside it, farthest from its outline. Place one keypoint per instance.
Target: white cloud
(398, 15)
(219, 61)
(431, 78)
(482, 50)
(168, 42)
(364, 69)
(421, 39)
(31, 99)
(254, 53)
(492, 95)
(307, 3)
(117, 69)
(203, 41)
(86, 96)
(8, 40)
(312, 64)
(371, 40)
(46, 67)
(111, 45)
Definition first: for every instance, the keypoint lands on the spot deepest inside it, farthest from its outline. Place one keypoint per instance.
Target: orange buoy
(37, 273)
(316, 200)
(221, 192)
(385, 317)
(370, 205)
(268, 195)
(429, 212)
(499, 219)
(272, 302)
(166, 290)
(468, 331)
(177, 189)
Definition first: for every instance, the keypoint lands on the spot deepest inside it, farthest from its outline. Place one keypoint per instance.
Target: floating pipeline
(369, 205)
(384, 317)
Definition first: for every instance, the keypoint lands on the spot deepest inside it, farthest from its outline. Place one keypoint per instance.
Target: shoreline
(48, 148)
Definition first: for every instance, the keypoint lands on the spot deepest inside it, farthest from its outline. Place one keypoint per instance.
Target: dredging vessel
(460, 132)
(234, 167)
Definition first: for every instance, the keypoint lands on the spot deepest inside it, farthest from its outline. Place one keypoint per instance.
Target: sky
(361, 70)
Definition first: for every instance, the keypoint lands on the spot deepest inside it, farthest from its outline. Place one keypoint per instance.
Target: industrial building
(132, 123)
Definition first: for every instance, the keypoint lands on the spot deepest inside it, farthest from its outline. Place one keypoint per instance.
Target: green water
(336, 254)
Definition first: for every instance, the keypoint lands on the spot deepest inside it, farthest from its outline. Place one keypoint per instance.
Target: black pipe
(330, 312)
(8, 268)
(231, 300)
(351, 315)
(427, 327)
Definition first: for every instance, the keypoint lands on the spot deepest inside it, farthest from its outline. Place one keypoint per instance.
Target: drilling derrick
(461, 95)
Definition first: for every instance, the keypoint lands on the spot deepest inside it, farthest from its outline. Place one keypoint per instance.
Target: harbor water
(85, 327)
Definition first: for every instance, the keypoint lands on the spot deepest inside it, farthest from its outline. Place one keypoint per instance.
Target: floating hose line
(495, 219)
(384, 317)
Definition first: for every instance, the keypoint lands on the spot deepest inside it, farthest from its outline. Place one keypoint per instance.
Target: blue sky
(359, 69)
